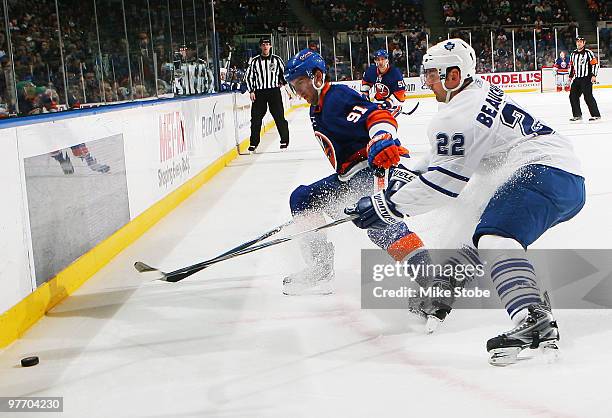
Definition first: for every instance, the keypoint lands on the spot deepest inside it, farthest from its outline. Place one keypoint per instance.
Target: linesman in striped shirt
(583, 71)
(264, 78)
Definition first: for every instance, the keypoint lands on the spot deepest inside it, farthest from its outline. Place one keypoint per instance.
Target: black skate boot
(537, 330)
(433, 310)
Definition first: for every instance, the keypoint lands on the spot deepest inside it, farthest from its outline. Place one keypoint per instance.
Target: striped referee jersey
(265, 73)
(583, 63)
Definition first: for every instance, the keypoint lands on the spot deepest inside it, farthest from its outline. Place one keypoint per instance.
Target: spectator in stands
(505, 12)
(27, 98)
(397, 54)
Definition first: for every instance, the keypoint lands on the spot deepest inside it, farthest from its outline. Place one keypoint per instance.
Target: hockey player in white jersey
(478, 127)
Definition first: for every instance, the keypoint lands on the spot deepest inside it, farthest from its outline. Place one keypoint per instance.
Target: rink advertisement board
(172, 142)
(510, 81)
(525, 80)
(77, 197)
(414, 87)
(73, 179)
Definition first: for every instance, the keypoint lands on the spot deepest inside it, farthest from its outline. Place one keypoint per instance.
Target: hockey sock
(512, 274)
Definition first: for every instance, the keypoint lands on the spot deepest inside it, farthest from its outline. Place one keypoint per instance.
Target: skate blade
(504, 356)
(548, 353)
(432, 324)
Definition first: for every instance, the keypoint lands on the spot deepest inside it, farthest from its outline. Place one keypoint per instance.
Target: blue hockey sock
(515, 281)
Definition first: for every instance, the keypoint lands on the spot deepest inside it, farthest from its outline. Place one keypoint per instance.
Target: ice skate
(432, 312)
(64, 161)
(94, 165)
(317, 278)
(537, 330)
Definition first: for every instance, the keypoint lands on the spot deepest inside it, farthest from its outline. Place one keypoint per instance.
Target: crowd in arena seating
(498, 55)
(100, 73)
(94, 73)
(371, 16)
(504, 12)
(395, 43)
(95, 58)
(600, 10)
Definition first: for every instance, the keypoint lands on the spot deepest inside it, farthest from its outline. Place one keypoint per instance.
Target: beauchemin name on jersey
(481, 128)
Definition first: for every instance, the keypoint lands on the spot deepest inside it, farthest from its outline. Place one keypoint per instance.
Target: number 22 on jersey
(453, 146)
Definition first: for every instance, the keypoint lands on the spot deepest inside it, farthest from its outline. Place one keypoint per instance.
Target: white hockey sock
(513, 276)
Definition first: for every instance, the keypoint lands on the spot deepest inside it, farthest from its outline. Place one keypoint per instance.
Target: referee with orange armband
(584, 66)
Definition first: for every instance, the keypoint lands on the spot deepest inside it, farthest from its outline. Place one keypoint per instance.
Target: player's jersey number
(356, 114)
(513, 115)
(453, 146)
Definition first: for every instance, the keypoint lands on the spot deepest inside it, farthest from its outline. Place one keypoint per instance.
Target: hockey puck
(29, 361)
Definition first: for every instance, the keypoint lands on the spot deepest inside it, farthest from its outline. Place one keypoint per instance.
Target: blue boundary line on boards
(69, 114)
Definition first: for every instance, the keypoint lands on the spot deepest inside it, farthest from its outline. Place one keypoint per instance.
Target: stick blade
(142, 267)
(147, 270)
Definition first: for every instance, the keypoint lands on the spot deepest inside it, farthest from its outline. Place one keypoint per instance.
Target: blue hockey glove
(374, 212)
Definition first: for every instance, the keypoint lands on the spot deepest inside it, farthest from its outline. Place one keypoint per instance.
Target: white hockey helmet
(451, 53)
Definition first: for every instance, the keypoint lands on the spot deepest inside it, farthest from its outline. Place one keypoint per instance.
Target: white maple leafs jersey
(480, 128)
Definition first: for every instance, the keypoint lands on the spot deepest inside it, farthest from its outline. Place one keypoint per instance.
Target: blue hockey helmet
(381, 53)
(303, 64)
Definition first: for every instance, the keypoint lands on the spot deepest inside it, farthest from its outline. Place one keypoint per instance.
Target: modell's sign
(510, 81)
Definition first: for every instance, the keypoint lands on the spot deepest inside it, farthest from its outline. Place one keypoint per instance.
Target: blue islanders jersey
(562, 65)
(344, 122)
(385, 85)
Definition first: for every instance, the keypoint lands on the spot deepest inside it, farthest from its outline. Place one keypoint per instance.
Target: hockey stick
(142, 267)
(180, 274)
(255, 240)
(412, 111)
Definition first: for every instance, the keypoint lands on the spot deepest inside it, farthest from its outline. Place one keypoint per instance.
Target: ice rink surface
(227, 343)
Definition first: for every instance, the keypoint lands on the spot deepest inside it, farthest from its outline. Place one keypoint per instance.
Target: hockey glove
(384, 151)
(386, 105)
(398, 178)
(375, 212)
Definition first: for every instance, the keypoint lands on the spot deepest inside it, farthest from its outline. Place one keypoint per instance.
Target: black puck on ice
(29, 361)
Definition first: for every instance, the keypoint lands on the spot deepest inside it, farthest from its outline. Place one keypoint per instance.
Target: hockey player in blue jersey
(480, 128)
(386, 81)
(562, 70)
(355, 136)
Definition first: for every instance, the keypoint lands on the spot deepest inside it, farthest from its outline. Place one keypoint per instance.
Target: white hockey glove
(377, 211)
